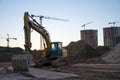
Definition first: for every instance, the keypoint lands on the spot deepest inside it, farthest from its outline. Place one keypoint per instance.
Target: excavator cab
(58, 54)
(56, 49)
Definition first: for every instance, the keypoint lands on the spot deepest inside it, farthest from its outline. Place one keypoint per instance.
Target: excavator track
(59, 62)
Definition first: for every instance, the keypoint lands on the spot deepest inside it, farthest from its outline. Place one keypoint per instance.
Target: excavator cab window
(53, 46)
(60, 45)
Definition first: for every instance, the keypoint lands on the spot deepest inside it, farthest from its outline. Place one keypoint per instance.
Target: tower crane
(8, 39)
(45, 17)
(41, 17)
(86, 24)
(113, 23)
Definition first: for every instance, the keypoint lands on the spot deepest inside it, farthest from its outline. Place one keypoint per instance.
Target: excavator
(53, 52)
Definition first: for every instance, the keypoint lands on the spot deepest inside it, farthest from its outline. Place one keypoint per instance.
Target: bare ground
(92, 72)
(85, 72)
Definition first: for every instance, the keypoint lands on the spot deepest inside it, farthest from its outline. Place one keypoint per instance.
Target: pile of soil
(80, 50)
(102, 49)
(113, 56)
(7, 52)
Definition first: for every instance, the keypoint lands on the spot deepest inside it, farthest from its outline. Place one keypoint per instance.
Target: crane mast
(8, 39)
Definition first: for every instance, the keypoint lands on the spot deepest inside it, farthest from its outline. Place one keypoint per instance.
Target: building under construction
(90, 36)
(111, 36)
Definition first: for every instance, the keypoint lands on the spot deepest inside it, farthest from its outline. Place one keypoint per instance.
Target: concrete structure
(90, 36)
(111, 36)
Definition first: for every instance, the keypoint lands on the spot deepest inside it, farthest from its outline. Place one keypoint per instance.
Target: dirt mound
(7, 52)
(113, 56)
(102, 49)
(79, 50)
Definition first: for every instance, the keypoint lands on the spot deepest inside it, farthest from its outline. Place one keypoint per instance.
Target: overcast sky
(79, 12)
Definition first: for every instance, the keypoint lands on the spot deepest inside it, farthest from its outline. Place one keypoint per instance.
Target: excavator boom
(28, 24)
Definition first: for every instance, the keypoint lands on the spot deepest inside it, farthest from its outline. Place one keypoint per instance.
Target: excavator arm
(28, 24)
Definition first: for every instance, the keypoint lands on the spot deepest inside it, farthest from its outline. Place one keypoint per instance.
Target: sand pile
(113, 56)
(79, 50)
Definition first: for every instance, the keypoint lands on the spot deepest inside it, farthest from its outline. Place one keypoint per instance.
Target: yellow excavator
(53, 52)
